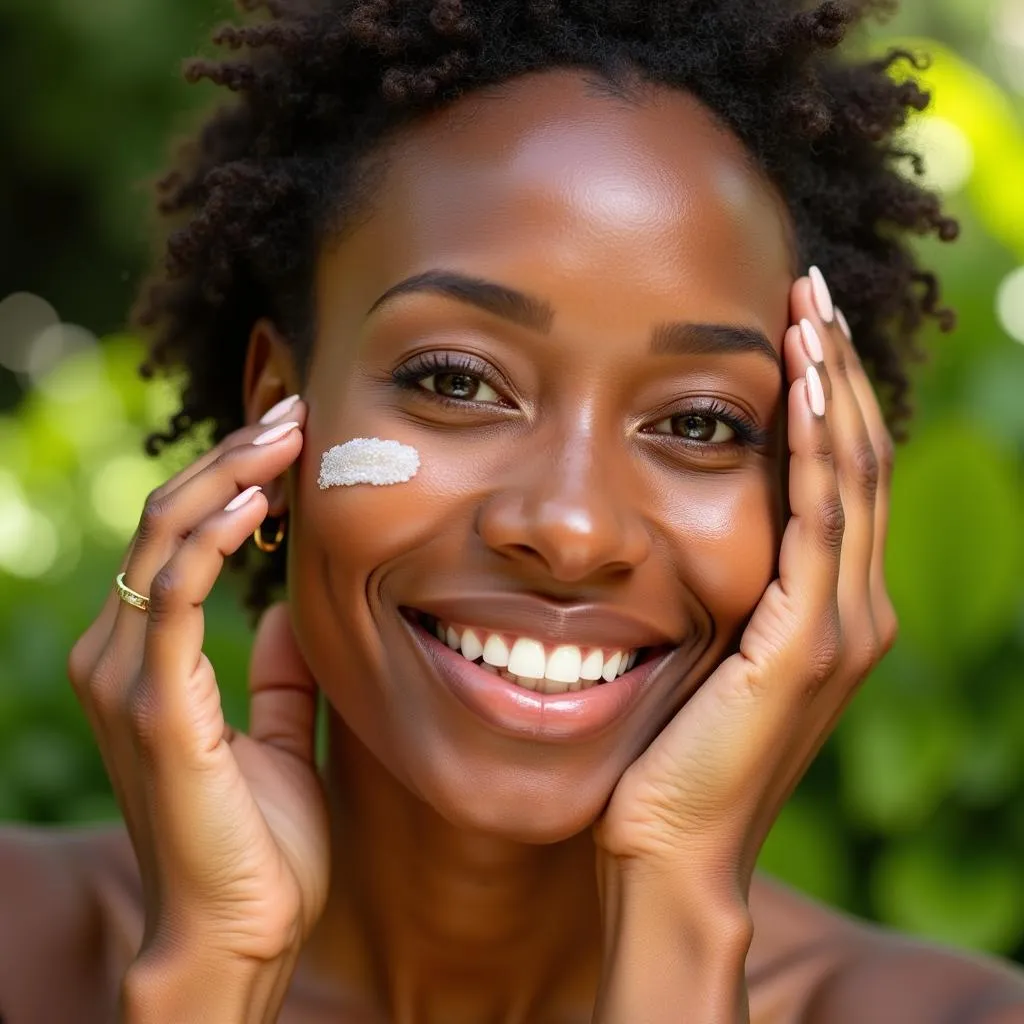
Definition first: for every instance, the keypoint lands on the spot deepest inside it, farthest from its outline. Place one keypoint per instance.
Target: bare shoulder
(811, 964)
(69, 913)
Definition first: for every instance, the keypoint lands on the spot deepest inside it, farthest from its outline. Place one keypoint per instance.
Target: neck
(428, 922)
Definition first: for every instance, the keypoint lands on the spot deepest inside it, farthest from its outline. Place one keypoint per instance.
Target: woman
(559, 251)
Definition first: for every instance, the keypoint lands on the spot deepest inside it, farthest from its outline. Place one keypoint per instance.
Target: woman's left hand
(696, 807)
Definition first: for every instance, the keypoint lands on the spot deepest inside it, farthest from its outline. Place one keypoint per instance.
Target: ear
(270, 374)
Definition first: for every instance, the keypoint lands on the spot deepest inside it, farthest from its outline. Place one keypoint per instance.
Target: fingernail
(815, 392)
(275, 412)
(275, 433)
(822, 296)
(236, 503)
(812, 342)
(843, 325)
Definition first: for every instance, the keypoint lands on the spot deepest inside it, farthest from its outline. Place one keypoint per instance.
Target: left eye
(696, 427)
(460, 386)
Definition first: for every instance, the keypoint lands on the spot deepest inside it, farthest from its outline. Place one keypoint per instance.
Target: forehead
(558, 180)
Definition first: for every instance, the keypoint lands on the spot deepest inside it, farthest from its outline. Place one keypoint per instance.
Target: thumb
(283, 692)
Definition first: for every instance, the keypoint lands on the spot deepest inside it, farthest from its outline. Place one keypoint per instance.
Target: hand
(230, 830)
(699, 802)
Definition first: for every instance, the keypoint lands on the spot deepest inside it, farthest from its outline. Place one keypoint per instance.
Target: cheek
(362, 527)
(728, 538)
(346, 544)
(345, 539)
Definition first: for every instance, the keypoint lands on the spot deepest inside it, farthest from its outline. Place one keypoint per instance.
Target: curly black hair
(323, 83)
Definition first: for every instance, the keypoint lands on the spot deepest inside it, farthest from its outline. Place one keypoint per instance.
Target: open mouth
(532, 663)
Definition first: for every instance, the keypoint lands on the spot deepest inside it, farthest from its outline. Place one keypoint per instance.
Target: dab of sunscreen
(368, 460)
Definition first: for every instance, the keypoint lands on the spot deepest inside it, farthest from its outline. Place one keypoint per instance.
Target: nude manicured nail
(822, 296)
(843, 325)
(275, 412)
(815, 392)
(242, 499)
(812, 343)
(275, 433)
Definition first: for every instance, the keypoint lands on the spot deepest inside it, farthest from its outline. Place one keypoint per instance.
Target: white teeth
(527, 658)
(496, 651)
(563, 664)
(593, 664)
(471, 646)
(567, 668)
(611, 667)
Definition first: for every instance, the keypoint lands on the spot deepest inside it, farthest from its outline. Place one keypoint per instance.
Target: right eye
(459, 386)
(452, 376)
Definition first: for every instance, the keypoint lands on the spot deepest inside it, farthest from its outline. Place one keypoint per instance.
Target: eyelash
(748, 433)
(409, 375)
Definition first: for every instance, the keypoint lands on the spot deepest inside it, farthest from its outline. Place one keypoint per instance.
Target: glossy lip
(544, 718)
(581, 625)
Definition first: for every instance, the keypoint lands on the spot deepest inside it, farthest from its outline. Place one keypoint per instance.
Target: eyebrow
(538, 314)
(507, 303)
(706, 339)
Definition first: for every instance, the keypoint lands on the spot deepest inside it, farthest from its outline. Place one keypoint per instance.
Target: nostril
(525, 550)
(523, 553)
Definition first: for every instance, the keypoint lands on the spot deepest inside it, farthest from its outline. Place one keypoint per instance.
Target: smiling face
(572, 306)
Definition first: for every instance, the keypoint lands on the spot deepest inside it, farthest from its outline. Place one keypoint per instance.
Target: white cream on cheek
(368, 460)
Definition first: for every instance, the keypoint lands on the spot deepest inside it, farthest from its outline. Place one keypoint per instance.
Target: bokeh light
(1008, 36)
(1010, 305)
(29, 543)
(119, 489)
(947, 151)
(23, 318)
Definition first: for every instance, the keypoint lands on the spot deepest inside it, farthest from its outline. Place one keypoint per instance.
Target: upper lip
(585, 625)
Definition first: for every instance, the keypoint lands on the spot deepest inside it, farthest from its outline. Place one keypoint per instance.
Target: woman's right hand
(230, 830)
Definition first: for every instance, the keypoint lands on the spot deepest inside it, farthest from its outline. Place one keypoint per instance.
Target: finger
(855, 460)
(175, 695)
(119, 665)
(288, 407)
(791, 645)
(809, 555)
(283, 704)
(100, 673)
(163, 502)
(174, 737)
(882, 443)
(167, 521)
(794, 632)
(96, 638)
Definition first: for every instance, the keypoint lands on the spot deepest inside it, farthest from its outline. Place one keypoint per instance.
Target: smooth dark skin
(463, 883)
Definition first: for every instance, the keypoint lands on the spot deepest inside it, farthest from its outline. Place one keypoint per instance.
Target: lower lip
(546, 718)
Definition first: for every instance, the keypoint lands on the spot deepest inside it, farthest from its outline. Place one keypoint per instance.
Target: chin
(520, 820)
(516, 802)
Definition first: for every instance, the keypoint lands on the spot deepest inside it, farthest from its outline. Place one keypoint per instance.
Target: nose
(569, 512)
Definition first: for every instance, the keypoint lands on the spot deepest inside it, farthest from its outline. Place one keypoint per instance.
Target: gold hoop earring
(268, 547)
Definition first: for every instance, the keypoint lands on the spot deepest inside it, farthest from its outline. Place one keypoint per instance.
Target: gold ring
(130, 596)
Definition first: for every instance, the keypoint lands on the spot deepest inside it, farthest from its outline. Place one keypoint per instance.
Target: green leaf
(807, 849)
(898, 755)
(956, 548)
(975, 901)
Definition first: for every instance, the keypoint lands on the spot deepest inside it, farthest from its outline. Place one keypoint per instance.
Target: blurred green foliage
(914, 813)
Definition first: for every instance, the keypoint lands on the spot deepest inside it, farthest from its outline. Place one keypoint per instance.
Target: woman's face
(590, 372)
